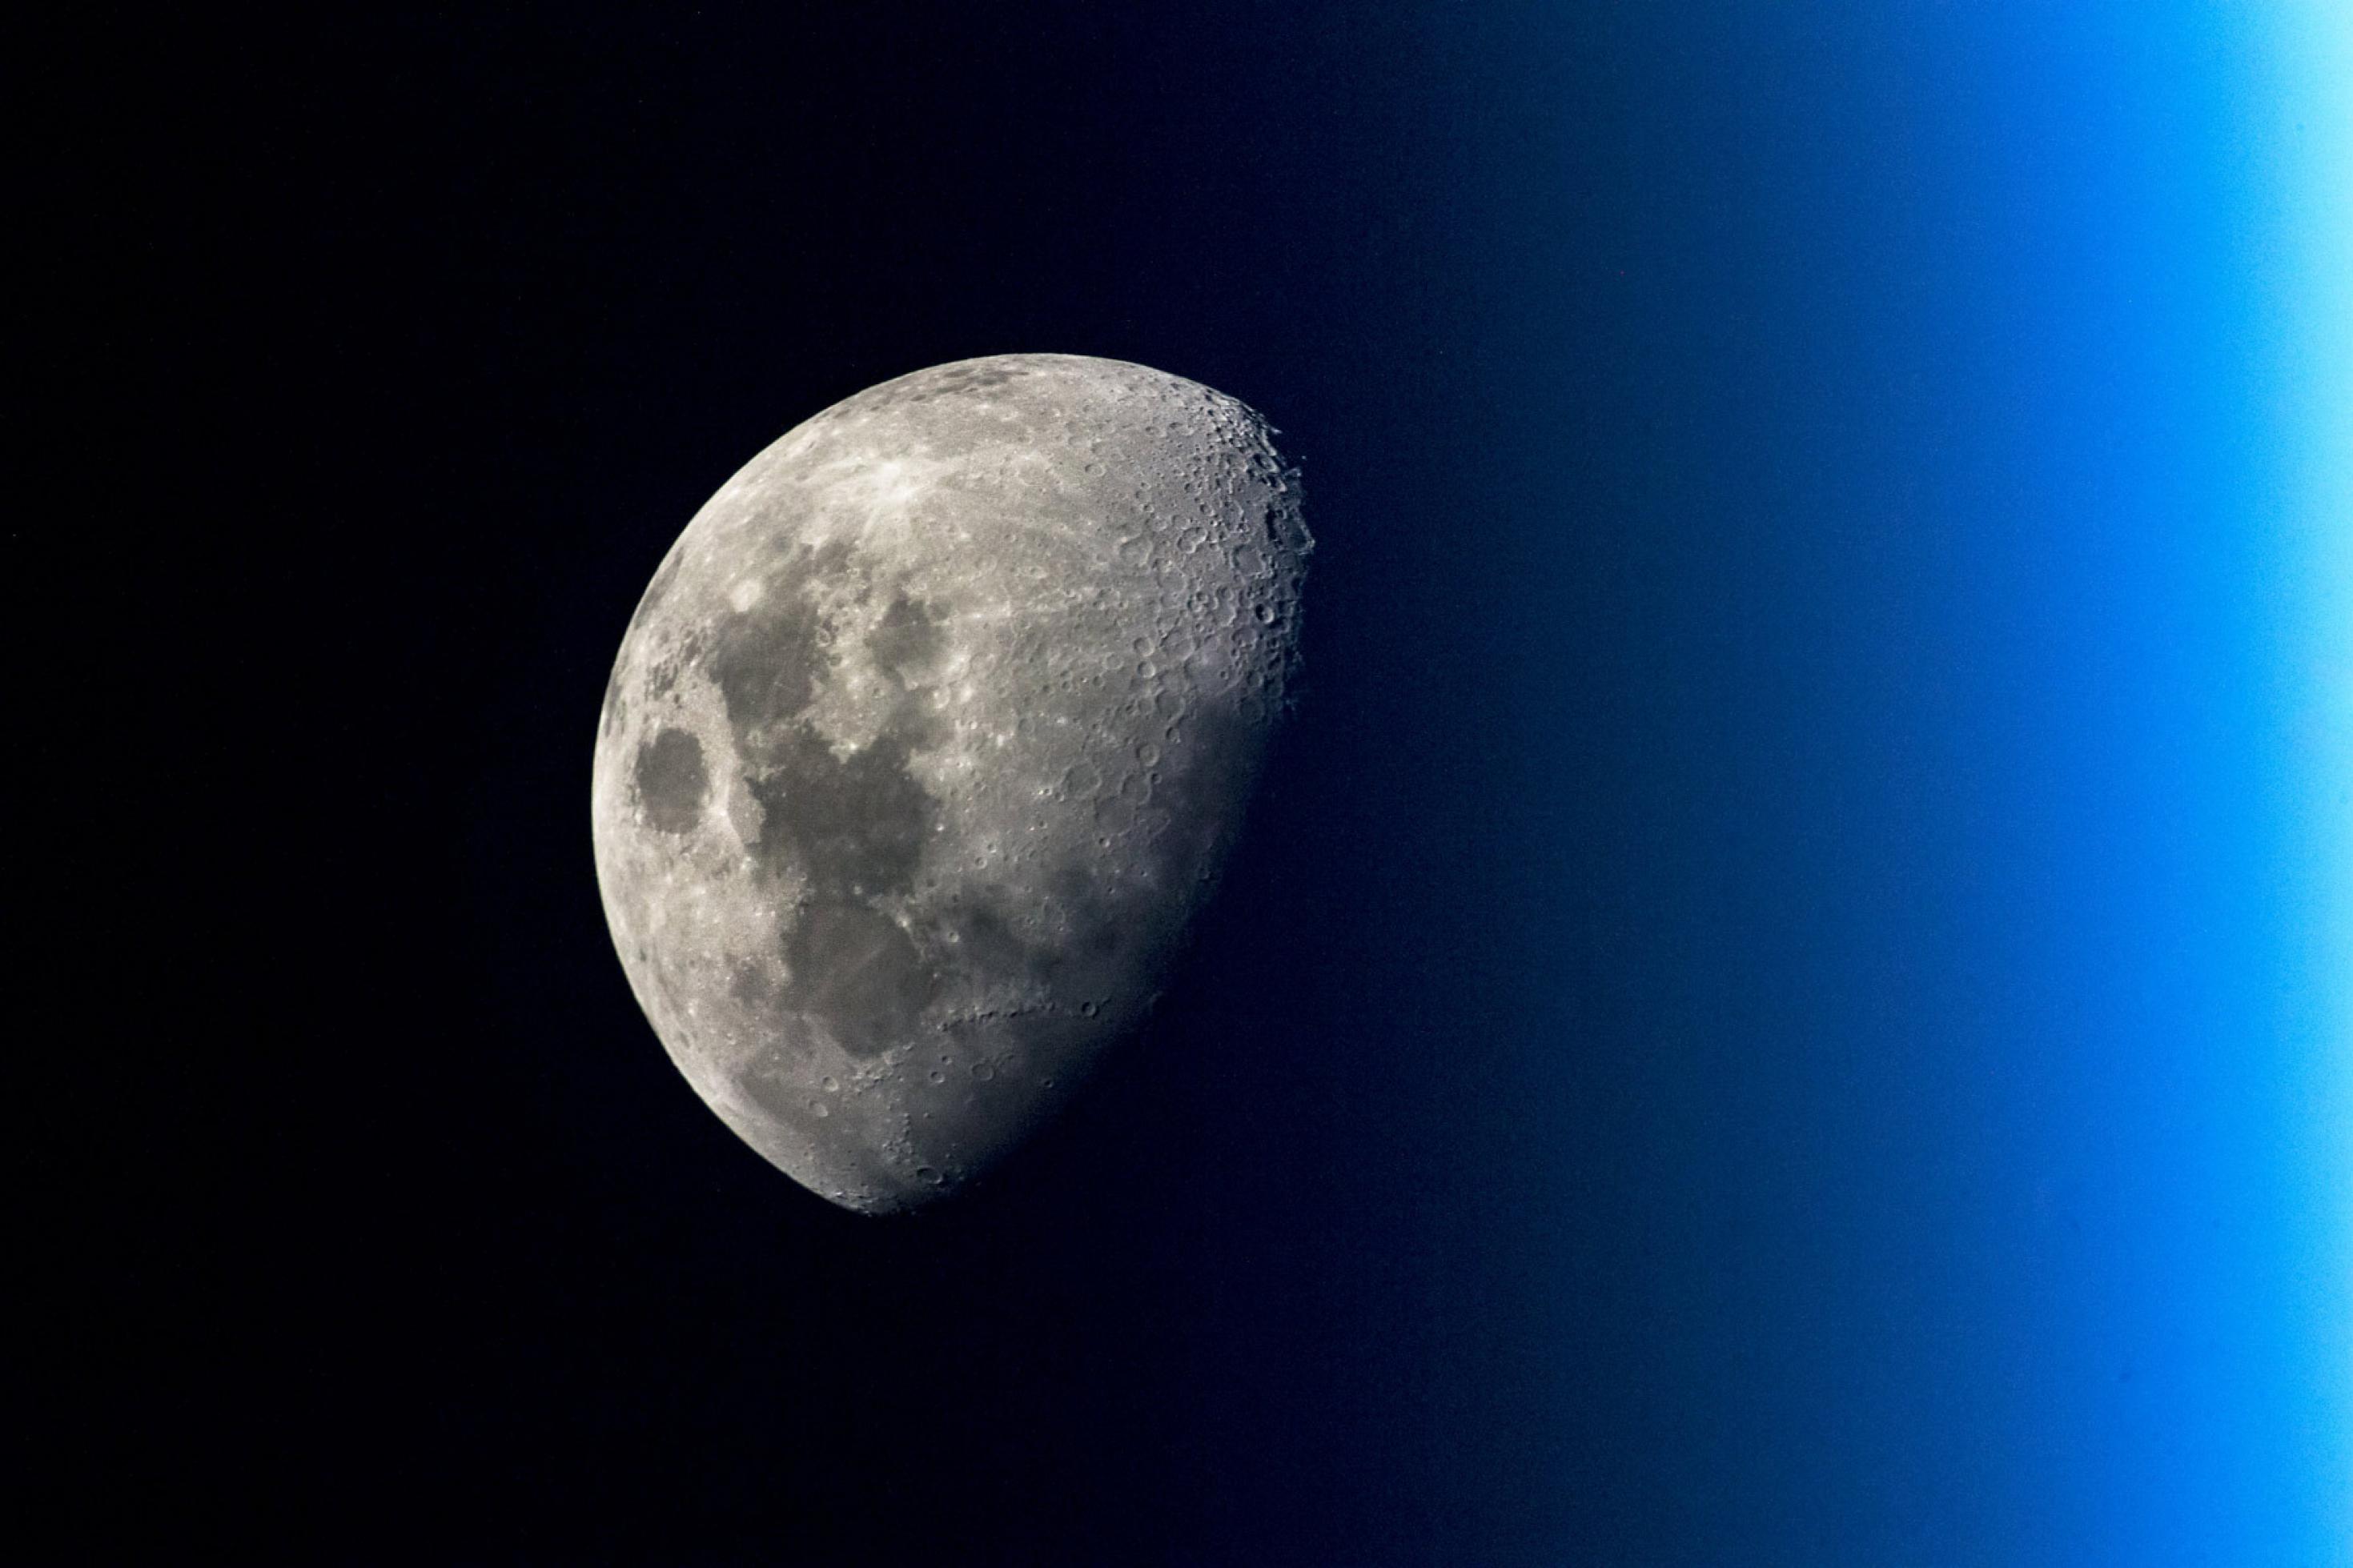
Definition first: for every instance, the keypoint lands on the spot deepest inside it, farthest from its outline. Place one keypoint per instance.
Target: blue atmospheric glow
(1983, 388)
(2306, 158)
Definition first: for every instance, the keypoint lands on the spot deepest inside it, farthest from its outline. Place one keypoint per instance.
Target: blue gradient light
(2305, 156)
(1946, 416)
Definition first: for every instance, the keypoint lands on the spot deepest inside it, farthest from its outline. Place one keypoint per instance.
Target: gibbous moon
(927, 742)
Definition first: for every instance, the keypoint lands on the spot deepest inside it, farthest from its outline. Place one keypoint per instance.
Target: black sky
(414, 343)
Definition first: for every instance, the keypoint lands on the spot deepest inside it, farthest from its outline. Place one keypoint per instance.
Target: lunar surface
(927, 742)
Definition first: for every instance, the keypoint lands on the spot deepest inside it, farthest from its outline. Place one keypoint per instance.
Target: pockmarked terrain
(926, 744)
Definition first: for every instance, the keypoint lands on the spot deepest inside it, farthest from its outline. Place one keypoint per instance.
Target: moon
(926, 744)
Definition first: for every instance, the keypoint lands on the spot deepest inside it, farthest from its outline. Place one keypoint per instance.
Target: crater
(947, 383)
